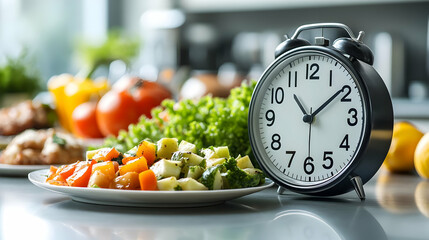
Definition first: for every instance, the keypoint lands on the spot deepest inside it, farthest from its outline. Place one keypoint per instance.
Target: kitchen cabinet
(263, 23)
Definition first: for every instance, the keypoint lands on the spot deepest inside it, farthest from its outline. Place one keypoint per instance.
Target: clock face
(308, 118)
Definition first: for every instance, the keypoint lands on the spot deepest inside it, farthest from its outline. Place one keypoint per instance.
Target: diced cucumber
(193, 159)
(208, 153)
(221, 152)
(191, 184)
(253, 171)
(166, 147)
(132, 152)
(244, 162)
(167, 184)
(92, 153)
(166, 168)
(215, 161)
(185, 146)
(195, 172)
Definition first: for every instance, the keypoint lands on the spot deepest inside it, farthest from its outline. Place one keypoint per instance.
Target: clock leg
(280, 190)
(358, 185)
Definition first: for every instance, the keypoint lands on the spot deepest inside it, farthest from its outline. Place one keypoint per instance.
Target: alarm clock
(320, 117)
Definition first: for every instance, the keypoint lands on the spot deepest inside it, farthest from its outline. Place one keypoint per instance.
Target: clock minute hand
(326, 103)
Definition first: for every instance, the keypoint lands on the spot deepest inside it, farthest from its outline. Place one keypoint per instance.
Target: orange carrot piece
(148, 150)
(106, 154)
(100, 159)
(138, 165)
(112, 154)
(81, 174)
(148, 180)
(127, 159)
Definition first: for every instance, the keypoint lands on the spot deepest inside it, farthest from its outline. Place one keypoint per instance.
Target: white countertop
(397, 207)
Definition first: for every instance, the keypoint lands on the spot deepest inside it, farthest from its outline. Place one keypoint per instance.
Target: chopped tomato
(106, 168)
(52, 173)
(66, 171)
(81, 174)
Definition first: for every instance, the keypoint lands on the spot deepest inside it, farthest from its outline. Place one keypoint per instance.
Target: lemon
(400, 157)
(421, 157)
(421, 196)
(394, 192)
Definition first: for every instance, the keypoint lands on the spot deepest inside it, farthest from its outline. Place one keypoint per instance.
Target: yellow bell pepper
(69, 92)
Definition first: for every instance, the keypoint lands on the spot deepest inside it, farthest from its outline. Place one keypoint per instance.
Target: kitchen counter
(397, 207)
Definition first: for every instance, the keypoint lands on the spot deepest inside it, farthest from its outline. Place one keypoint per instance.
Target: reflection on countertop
(397, 207)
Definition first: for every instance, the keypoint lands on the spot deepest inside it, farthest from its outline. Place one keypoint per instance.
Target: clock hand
(309, 135)
(299, 104)
(307, 117)
(326, 103)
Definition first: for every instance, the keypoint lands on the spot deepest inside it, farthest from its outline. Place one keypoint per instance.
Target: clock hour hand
(326, 103)
(299, 104)
(308, 118)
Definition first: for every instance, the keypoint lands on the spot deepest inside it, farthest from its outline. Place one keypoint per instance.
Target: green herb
(206, 122)
(178, 188)
(95, 186)
(18, 76)
(60, 141)
(116, 47)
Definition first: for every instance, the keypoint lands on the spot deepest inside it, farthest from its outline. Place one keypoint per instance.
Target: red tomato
(85, 121)
(115, 111)
(148, 95)
(129, 98)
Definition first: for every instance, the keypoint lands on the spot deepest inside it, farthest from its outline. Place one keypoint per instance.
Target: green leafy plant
(17, 76)
(205, 122)
(116, 47)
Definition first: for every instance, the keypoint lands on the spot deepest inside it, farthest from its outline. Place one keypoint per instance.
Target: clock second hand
(309, 134)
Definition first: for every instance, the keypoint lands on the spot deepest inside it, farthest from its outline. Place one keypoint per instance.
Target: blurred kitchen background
(192, 42)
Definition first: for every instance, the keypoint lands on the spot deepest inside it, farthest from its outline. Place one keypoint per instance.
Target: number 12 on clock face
(311, 118)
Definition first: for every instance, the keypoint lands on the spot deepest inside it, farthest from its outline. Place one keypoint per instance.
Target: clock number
(270, 116)
(290, 79)
(308, 165)
(330, 162)
(275, 144)
(278, 95)
(347, 89)
(313, 76)
(291, 157)
(345, 143)
(353, 120)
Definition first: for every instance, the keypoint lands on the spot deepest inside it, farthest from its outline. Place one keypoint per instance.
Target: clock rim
(345, 173)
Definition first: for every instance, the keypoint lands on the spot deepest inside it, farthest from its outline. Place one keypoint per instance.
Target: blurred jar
(69, 92)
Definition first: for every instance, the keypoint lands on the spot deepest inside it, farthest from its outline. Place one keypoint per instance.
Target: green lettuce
(208, 121)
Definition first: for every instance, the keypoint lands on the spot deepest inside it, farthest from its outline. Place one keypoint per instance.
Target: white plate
(145, 198)
(19, 170)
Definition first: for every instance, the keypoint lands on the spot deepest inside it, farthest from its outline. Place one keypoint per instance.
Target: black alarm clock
(320, 117)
